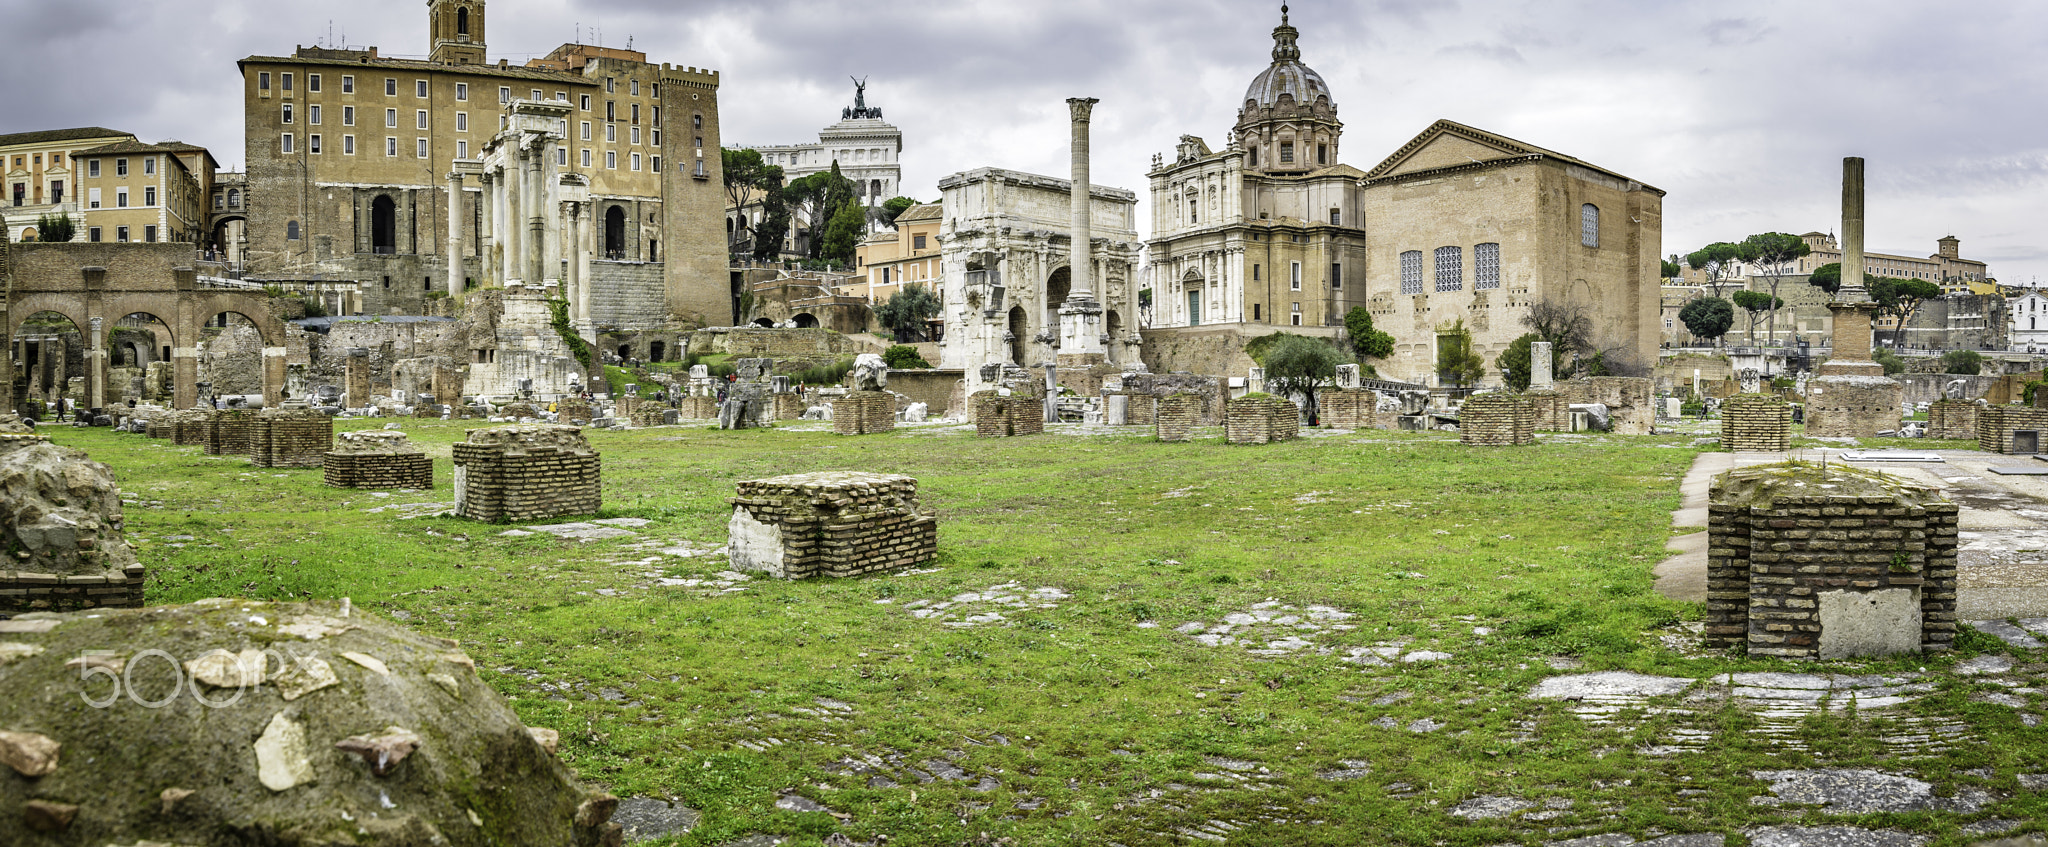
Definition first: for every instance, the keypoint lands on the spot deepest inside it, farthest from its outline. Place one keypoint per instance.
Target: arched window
(234, 198)
(462, 21)
(1485, 267)
(1589, 225)
(291, 230)
(1450, 268)
(1411, 272)
(383, 225)
(615, 233)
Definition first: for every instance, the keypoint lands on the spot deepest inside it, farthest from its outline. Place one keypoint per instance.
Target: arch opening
(806, 320)
(1019, 334)
(615, 233)
(383, 225)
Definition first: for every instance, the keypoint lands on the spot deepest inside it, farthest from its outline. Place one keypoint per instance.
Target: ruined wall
(1261, 420)
(1213, 350)
(290, 438)
(228, 432)
(627, 294)
(1851, 406)
(376, 459)
(518, 473)
(1496, 420)
(1756, 423)
(999, 416)
(1348, 408)
(1953, 420)
(1628, 399)
(1177, 416)
(864, 413)
(836, 524)
(61, 523)
(2002, 429)
(931, 386)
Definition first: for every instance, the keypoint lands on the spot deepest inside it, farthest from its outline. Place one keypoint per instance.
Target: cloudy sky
(1740, 109)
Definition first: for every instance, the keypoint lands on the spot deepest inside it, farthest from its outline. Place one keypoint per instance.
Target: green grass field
(1081, 716)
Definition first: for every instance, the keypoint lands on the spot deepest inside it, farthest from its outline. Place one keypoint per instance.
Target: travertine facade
(838, 524)
(518, 473)
(1868, 568)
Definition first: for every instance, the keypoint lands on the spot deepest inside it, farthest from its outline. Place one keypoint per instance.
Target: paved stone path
(976, 608)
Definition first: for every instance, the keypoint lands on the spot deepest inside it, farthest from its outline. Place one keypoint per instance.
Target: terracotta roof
(133, 146)
(49, 136)
(1515, 149)
(921, 212)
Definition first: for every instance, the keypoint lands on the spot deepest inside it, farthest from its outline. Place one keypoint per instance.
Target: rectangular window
(348, 145)
(654, 138)
(348, 84)
(149, 165)
(1295, 317)
(611, 110)
(420, 88)
(504, 94)
(1294, 276)
(391, 118)
(1485, 267)
(636, 161)
(92, 168)
(421, 119)
(92, 198)
(313, 82)
(1286, 152)
(586, 157)
(421, 146)
(121, 234)
(562, 157)
(611, 133)
(313, 115)
(1336, 274)
(917, 242)
(120, 167)
(536, 95)
(586, 130)
(461, 149)
(656, 166)
(461, 121)
(312, 143)
(562, 96)
(1589, 225)
(1336, 217)
(462, 92)
(93, 233)
(585, 100)
(636, 135)
(1322, 154)
(390, 146)
(285, 81)
(286, 112)
(149, 233)
(56, 191)
(636, 88)
(348, 116)
(610, 85)
(390, 87)
(1411, 272)
(636, 113)
(611, 160)
(262, 84)
(1450, 268)
(287, 148)
(1255, 273)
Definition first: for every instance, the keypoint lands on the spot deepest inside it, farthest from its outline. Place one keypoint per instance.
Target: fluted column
(454, 234)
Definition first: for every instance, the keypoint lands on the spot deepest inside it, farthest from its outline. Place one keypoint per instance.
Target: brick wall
(520, 473)
(227, 432)
(1628, 400)
(864, 413)
(378, 470)
(651, 414)
(1771, 559)
(1260, 420)
(836, 524)
(1214, 392)
(24, 591)
(788, 407)
(1177, 416)
(1756, 423)
(1953, 420)
(698, 408)
(290, 438)
(997, 416)
(1347, 408)
(1497, 419)
(1997, 427)
(1553, 411)
(573, 410)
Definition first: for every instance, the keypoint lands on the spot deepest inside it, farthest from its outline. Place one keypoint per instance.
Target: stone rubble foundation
(377, 459)
(833, 523)
(526, 472)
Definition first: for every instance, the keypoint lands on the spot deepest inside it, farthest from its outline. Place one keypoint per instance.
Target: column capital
(1082, 107)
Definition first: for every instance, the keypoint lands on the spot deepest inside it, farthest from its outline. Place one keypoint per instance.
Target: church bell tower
(458, 31)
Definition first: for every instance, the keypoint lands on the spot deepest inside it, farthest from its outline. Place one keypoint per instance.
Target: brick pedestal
(864, 413)
(1260, 420)
(1348, 408)
(228, 431)
(1852, 405)
(2005, 429)
(788, 407)
(1177, 416)
(1952, 420)
(837, 524)
(1867, 569)
(520, 473)
(1497, 420)
(573, 412)
(698, 408)
(290, 438)
(1756, 423)
(998, 416)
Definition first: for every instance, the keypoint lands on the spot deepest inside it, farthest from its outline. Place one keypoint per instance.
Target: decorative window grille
(1450, 268)
(1589, 225)
(1411, 272)
(1485, 267)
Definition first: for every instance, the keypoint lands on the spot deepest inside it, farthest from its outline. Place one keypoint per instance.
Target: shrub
(903, 356)
(1962, 362)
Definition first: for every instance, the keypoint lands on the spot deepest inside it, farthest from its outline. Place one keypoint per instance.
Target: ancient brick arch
(95, 285)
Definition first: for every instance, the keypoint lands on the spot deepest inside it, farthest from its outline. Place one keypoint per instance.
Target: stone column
(95, 364)
(1080, 329)
(578, 288)
(454, 234)
(536, 215)
(488, 236)
(356, 378)
(1852, 229)
(1540, 378)
(511, 197)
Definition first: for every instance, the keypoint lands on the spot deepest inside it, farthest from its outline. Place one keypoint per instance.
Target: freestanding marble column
(1852, 397)
(454, 234)
(1081, 316)
(1540, 378)
(487, 235)
(536, 214)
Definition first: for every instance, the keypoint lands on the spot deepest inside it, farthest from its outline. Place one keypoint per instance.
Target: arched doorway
(655, 349)
(615, 233)
(1020, 335)
(383, 225)
(53, 353)
(625, 352)
(806, 321)
(1113, 324)
(1056, 288)
(135, 342)
(764, 323)
(1191, 286)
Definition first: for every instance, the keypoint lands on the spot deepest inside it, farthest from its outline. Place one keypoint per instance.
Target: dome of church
(1287, 75)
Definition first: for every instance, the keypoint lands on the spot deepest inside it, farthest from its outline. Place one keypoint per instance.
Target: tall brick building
(352, 155)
